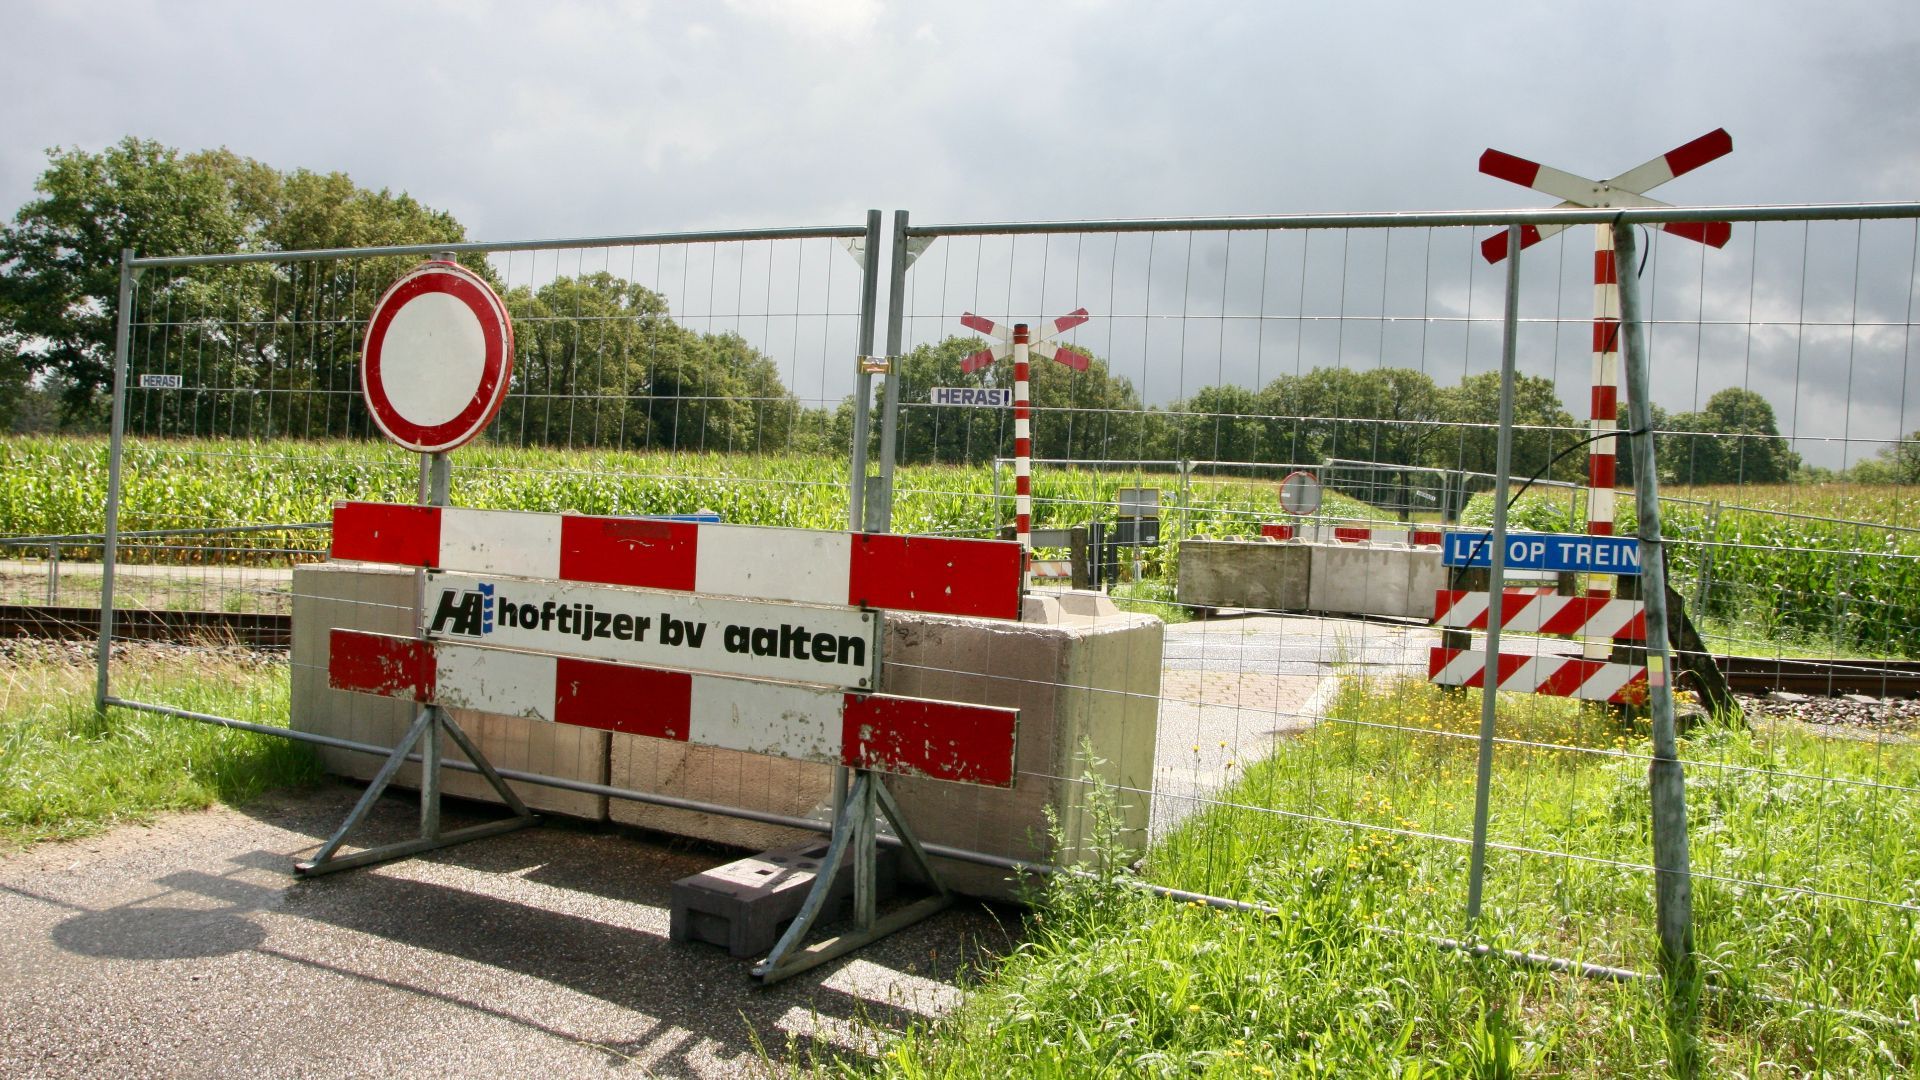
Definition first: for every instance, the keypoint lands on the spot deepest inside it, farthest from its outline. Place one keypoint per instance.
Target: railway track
(254, 629)
(1745, 674)
(1832, 678)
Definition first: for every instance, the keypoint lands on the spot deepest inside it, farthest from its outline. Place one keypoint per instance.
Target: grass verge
(66, 772)
(1351, 834)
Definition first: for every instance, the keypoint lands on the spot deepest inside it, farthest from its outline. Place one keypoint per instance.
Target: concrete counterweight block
(1079, 671)
(380, 599)
(1344, 579)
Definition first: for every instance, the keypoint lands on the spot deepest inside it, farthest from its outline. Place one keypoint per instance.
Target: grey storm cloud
(580, 119)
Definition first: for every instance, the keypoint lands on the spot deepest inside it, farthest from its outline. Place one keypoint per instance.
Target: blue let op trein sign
(1547, 551)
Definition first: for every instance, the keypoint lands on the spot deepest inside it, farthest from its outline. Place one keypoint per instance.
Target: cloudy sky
(591, 119)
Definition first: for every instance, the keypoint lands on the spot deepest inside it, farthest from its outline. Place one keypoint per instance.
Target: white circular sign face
(1299, 493)
(438, 358)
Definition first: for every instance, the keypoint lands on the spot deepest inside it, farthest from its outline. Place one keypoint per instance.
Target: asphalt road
(189, 950)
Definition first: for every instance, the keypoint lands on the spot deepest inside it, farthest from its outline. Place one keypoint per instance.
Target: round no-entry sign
(1299, 493)
(438, 357)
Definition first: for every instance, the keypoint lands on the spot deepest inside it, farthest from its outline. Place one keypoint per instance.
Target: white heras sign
(802, 643)
(993, 397)
(438, 358)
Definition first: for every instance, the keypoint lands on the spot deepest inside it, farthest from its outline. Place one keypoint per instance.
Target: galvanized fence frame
(871, 496)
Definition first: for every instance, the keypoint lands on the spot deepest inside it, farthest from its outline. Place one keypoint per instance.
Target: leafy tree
(60, 259)
(1895, 463)
(1542, 427)
(600, 363)
(1733, 440)
(239, 329)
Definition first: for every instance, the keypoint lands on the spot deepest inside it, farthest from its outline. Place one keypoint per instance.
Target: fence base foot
(428, 727)
(854, 837)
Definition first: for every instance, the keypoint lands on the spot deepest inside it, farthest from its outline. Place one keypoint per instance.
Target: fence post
(122, 334)
(890, 407)
(1673, 883)
(1496, 581)
(863, 379)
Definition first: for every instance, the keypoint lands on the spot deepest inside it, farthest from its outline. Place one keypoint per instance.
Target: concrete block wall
(1080, 672)
(1234, 573)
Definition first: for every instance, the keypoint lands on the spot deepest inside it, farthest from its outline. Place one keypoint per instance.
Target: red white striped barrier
(1555, 676)
(940, 575)
(971, 744)
(1575, 616)
(1344, 534)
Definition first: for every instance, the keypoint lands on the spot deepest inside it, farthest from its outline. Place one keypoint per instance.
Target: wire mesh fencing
(1296, 746)
(1300, 744)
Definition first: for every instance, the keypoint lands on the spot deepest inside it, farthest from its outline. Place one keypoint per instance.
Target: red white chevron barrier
(947, 741)
(1355, 534)
(940, 575)
(1575, 616)
(1555, 676)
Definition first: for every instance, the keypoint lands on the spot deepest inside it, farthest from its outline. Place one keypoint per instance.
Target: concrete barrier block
(380, 599)
(1241, 574)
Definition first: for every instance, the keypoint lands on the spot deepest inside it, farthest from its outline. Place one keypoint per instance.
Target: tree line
(271, 349)
(1387, 415)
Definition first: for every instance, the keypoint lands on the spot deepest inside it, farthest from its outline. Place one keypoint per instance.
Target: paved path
(1231, 687)
(189, 950)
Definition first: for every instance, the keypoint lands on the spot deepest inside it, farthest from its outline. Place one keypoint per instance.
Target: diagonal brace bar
(426, 729)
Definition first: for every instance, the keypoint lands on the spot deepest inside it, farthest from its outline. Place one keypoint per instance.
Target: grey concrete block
(1090, 680)
(1241, 574)
(747, 904)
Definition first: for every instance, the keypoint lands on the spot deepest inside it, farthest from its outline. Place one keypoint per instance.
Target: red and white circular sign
(1299, 493)
(438, 358)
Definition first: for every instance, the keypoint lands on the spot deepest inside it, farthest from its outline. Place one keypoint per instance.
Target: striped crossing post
(1020, 343)
(1022, 446)
(1625, 190)
(1603, 412)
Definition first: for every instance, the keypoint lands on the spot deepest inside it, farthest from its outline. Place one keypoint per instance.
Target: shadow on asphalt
(570, 905)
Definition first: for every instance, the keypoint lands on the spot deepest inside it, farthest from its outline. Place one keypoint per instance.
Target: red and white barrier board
(942, 740)
(939, 575)
(1576, 616)
(1555, 676)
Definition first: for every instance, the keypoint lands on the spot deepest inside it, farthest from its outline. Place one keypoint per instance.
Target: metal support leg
(425, 733)
(855, 836)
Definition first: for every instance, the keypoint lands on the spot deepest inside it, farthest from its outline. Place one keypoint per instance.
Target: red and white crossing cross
(1018, 342)
(1625, 190)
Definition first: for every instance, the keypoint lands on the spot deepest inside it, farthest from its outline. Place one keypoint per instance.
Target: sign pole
(430, 399)
(1666, 782)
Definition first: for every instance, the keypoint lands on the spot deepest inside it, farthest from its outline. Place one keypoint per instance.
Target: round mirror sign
(1299, 493)
(438, 358)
